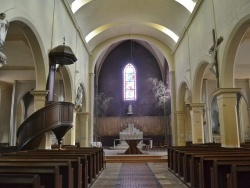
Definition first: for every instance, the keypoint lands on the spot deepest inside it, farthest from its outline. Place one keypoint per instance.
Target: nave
(117, 175)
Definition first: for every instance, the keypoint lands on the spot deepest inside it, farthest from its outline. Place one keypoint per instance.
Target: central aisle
(137, 175)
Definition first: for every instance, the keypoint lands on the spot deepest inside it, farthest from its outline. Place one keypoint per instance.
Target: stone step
(135, 158)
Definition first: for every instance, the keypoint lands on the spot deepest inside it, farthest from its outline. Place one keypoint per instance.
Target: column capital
(83, 113)
(38, 93)
(197, 105)
(220, 91)
(180, 112)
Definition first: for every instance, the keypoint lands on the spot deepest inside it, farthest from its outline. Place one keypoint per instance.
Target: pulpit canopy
(62, 55)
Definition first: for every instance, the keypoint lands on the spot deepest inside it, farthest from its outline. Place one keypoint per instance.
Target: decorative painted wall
(110, 80)
(149, 125)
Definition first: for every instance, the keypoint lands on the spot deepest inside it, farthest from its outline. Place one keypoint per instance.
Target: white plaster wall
(5, 104)
(182, 65)
(50, 21)
(198, 38)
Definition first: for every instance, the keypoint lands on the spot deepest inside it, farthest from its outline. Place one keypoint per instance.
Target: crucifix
(213, 51)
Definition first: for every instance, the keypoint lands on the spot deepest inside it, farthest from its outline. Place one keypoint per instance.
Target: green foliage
(101, 104)
(161, 93)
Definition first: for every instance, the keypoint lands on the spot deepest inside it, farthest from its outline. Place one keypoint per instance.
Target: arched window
(129, 82)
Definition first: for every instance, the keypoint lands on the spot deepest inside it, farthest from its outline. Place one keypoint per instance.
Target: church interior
(104, 93)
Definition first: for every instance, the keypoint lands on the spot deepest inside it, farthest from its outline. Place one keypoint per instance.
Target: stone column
(227, 101)
(91, 107)
(70, 138)
(39, 102)
(39, 98)
(173, 108)
(197, 123)
(181, 123)
(83, 124)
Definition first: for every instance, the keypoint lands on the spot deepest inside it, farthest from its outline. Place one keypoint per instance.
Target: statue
(130, 109)
(187, 97)
(79, 95)
(4, 25)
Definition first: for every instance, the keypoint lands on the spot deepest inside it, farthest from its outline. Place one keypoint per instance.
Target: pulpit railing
(56, 117)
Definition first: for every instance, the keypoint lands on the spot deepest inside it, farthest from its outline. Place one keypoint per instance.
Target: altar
(128, 133)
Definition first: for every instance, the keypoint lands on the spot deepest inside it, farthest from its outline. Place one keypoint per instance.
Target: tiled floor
(110, 178)
(116, 176)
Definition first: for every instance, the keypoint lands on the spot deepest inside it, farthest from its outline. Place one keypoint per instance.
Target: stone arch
(32, 38)
(243, 116)
(180, 106)
(165, 50)
(109, 49)
(98, 51)
(37, 48)
(230, 50)
(198, 81)
(68, 86)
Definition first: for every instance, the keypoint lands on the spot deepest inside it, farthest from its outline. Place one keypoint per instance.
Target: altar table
(132, 143)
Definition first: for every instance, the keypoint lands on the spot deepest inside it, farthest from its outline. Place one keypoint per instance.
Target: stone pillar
(39, 98)
(181, 117)
(173, 108)
(197, 123)
(91, 107)
(227, 101)
(70, 138)
(83, 124)
(39, 102)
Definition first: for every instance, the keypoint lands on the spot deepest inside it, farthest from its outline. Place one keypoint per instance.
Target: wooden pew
(221, 169)
(177, 151)
(91, 166)
(50, 176)
(93, 158)
(20, 181)
(96, 154)
(184, 163)
(240, 176)
(200, 164)
(65, 167)
(171, 150)
(79, 164)
(99, 154)
(85, 156)
(180, 155)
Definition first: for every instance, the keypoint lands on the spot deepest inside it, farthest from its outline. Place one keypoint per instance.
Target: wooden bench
(199, 164)
(192, 161)
(79, 164)
(20, 181)
(91, 161)
(99, 151)
(65, 167)
(221, 169)
(172, 149)
(239, 176)
(50, 176)
(87, 159)
(191, 164)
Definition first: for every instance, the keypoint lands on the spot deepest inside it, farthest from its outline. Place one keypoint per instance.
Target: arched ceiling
(100, 20)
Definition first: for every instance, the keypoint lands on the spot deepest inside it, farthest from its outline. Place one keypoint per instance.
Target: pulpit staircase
(56, 117)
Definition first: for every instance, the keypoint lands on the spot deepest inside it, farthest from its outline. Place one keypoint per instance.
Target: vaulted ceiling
(101, 20)
(164, 20)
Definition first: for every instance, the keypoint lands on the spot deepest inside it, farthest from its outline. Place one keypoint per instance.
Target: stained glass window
(129, 82)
